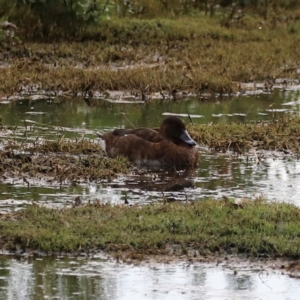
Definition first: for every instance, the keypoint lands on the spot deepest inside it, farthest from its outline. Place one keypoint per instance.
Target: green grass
(209, 226)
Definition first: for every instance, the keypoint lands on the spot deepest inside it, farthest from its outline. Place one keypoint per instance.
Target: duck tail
(102, 143)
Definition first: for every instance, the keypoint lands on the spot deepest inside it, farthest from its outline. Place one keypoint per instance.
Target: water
(103, 279)
(76, 114)
(218, 175)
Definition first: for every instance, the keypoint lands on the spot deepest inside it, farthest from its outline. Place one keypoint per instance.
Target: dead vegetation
(279, 134)
(198, 56)
(60, 162)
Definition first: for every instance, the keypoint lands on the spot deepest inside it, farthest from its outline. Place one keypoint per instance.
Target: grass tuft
(282, 134)
(255, 228)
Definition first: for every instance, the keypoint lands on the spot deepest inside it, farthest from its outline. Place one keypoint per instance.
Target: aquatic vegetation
(60, 162)
(77, 146)
(281, 134)
(203, 227)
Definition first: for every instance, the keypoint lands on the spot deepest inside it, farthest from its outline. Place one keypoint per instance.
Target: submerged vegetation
(205, 227)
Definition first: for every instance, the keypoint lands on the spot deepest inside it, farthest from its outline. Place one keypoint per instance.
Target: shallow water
(100, 115)
(100, 278)
(276, 177)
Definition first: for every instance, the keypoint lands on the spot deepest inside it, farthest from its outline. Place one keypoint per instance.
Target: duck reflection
(163, 181)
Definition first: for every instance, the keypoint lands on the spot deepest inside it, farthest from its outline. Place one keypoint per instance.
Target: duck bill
(185, 137)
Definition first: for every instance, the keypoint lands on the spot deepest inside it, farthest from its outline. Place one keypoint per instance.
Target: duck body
(170, 145)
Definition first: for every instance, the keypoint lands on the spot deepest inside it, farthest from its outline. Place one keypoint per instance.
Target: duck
(169, 145)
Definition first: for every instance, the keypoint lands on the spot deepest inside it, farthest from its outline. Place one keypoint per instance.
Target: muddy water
(103, 279)
(218, 175)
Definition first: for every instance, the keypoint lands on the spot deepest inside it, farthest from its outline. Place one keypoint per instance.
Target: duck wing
(147, 134)
(143, 152)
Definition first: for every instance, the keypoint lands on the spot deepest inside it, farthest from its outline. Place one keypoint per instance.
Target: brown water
(277, 178)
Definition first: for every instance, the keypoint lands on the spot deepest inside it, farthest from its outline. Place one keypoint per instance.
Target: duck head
(173, 129)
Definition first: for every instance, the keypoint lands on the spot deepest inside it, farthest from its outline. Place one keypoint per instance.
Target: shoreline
(201, 57)
(236, 263)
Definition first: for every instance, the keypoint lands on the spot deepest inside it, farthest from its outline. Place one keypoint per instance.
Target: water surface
(101, 115)
(217, 175)
(82, 278)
